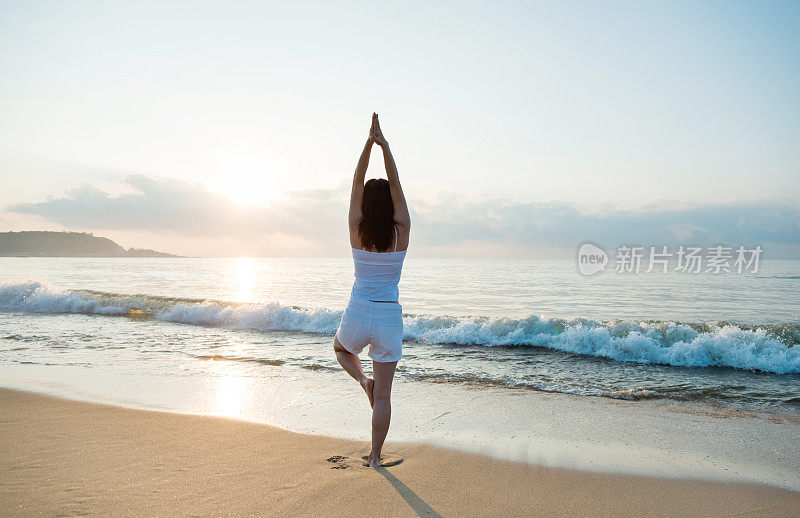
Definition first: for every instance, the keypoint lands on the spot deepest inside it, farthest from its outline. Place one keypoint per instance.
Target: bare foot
(385, 461)
(367, 385)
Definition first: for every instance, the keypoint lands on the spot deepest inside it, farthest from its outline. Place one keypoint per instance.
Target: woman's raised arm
(357, 191)
(401, 214)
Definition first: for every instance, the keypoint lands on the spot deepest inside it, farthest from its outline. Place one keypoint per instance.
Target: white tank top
(377, 273)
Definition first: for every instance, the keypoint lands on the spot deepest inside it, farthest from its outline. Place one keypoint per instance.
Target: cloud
(188, 209)
(191, 210)
(561, 224)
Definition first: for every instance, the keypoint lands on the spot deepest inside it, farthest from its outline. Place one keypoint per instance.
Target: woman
(379, 230)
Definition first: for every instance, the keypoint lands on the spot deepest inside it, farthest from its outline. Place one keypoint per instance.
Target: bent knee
(337, 346)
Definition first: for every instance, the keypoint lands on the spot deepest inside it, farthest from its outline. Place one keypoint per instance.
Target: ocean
(729, 340)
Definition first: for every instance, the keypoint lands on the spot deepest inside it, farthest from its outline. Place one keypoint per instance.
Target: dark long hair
(376, 226)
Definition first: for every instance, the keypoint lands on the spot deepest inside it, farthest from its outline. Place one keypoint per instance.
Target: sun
(250, 177)
(248, 189)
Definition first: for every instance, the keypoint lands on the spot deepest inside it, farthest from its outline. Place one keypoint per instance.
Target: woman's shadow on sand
(412, 499)
(416, 503)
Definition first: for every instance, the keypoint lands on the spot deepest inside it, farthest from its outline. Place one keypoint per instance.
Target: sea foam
(769, 348)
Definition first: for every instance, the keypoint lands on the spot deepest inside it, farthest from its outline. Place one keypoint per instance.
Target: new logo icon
(591, 259)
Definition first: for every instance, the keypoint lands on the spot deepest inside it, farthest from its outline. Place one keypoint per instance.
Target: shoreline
(65, 456)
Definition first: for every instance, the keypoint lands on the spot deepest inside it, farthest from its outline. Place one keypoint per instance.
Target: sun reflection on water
(231, 386)
(230, 395)
(244, 266)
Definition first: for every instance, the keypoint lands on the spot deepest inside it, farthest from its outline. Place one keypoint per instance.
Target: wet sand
(67, 457)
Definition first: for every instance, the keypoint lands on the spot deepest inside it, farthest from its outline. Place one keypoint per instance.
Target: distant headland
(67, 244)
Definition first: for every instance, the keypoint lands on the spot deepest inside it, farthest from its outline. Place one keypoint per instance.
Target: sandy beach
(68, 457)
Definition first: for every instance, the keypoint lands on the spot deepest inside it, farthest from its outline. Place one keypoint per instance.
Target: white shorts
(379, 324)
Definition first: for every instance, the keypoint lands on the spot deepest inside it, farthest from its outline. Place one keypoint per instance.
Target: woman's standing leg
(383, 374)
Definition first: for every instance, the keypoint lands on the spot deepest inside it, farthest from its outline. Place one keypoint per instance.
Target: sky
(520, 129)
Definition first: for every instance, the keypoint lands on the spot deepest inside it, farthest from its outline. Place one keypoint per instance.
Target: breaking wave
(771, 347)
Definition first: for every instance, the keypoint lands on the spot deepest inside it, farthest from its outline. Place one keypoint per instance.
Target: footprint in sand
(339, 462)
